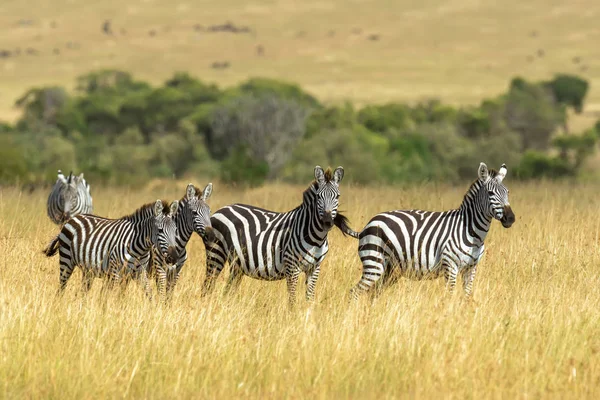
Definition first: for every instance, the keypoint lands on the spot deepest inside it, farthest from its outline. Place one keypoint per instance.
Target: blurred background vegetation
(121, 130)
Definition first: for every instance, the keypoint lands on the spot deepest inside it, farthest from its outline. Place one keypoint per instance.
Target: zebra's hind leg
(87, 278)
(66, 270)
(373, 270)
(235, 278)
(311, 282)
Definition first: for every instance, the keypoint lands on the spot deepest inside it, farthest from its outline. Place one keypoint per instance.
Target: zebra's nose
(327, 219)
(172, 255)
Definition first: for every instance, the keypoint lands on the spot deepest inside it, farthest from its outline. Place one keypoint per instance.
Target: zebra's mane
(149, 206)
(491, 172)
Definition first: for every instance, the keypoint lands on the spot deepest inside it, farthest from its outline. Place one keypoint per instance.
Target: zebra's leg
(468, 276)
(292, 273)
(145, 283)
(66, 270)
(373, 270)
(214, 265)
(235, 278)
(311, 282)
(87, 278)
(450, 273)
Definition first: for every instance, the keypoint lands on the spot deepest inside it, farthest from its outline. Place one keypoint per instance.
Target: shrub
(569, 90)
(268, 128)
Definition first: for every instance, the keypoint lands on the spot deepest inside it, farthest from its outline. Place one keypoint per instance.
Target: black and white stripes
(270, 245)
(69, 197)
(104, 247)
(424, 245)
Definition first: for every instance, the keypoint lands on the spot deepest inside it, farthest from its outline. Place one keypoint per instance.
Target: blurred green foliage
(120, 130)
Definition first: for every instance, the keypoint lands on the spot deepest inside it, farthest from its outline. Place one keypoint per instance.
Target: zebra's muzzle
(508, 218)
(172, 255)
(327, 219)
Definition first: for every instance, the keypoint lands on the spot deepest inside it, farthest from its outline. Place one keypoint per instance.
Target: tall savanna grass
(533, 329)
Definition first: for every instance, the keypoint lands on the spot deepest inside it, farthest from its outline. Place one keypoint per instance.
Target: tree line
(120, 130)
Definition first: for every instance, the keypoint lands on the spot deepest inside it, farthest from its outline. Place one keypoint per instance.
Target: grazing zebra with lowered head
(270, 245)
(110, 248)
(424, 244)
(193, 215)
(70, 196)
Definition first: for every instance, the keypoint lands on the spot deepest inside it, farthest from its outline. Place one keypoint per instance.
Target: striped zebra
(70, 196)
(110, 248)
(424, 244)
(192, 216)
(269, 245)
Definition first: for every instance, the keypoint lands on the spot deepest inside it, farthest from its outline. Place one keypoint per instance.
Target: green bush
(535, 165)
(570, 90)
(386, 117)
(13, 161)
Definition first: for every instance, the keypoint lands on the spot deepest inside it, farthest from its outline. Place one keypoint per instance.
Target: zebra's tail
(52, 248)
(344, 225)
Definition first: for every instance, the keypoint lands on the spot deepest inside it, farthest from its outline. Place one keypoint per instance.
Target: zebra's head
(68, 194)
(165, 230)
(496, 194)
(198, 206)
(327, 193)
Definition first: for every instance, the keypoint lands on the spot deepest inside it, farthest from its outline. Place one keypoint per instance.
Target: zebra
(270, 245)
(193, 215)
(107, 248)
(70, 196)
(424, 244)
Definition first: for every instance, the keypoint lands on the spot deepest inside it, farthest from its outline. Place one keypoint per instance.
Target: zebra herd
(268, 245)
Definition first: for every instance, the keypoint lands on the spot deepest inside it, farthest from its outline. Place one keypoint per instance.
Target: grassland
(531, 332)
(367, 51)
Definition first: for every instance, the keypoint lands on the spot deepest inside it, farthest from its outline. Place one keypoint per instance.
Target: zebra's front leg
(450, 273)
(292, 273)
(145, 283)
(311, 282)
(214, 266)
(468, 277)
(235, 278)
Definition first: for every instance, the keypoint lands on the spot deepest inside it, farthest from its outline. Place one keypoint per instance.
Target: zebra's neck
(185, 223)
(474, 213)
(309, 225)
(142, 220)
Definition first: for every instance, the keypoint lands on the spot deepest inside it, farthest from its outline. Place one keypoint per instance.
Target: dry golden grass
(459, 50)
(532, 331)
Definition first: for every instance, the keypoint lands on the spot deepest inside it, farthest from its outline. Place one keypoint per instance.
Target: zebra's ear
(174, 207)
(338, 175)
(319, 175)
(501, 173)
(61, 177)
(190, 192)
(483, 172)
(158, 208)
(207, 192)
